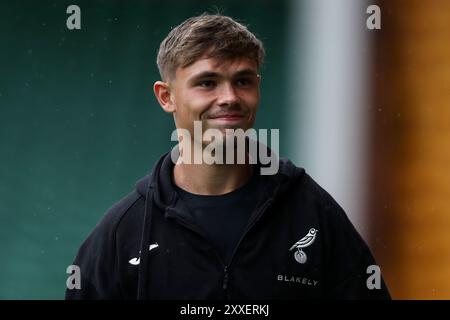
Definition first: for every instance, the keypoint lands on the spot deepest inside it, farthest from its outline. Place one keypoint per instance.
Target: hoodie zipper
(225, 279)
(258, 216)
(226, 267)
(194, 228)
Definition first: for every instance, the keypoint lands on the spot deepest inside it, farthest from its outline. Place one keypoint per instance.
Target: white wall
(329, 97)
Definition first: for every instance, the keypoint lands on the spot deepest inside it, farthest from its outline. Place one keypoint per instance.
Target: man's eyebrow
(246, 72)
(204, 74)
(212, 74)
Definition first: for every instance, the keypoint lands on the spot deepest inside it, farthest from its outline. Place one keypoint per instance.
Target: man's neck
(211, 179)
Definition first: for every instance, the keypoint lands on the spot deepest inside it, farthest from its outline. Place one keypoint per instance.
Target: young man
(222, 231)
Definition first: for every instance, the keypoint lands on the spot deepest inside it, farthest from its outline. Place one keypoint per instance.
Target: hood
(160, 181)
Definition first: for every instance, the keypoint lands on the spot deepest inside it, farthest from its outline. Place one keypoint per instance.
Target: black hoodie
(299, 244)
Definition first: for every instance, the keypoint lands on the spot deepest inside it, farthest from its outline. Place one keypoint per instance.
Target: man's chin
(228, 135)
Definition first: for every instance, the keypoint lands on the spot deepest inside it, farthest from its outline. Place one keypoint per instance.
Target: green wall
(79, 123)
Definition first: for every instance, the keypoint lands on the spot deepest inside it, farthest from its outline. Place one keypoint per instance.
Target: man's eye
(243, 82)
(206, 84)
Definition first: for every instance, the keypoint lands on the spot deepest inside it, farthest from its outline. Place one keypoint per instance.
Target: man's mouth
(227, 116)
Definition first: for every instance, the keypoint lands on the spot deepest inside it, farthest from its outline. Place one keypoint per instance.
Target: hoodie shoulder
(100, 250)
(322, 204)
(114, 215)
(308, 185)
(117, 211)
(288, 169)
(132, 203)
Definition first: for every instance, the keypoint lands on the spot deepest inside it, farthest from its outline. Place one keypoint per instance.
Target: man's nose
(227, 95)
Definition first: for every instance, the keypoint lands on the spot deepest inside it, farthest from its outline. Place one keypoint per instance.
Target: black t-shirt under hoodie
(223, 218)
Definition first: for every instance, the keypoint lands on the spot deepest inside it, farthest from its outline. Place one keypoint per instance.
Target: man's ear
(162, 93)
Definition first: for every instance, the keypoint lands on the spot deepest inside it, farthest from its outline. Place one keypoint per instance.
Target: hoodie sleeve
(352, 271)
(97, 261)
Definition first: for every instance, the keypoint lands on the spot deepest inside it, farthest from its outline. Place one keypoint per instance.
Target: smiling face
(222, 94)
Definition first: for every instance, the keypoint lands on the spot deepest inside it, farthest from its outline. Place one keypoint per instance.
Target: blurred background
(365, 112)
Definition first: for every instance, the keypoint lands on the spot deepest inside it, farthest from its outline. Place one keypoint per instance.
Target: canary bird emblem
(306, 241)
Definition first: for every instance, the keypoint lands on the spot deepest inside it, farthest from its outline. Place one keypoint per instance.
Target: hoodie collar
(165, 195)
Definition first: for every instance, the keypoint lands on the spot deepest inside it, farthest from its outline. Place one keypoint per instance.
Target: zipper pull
(225, 278)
